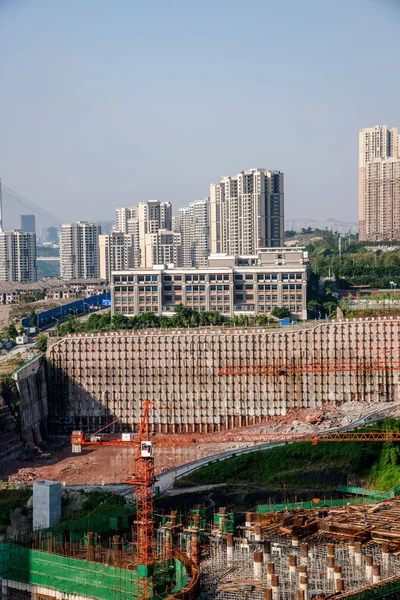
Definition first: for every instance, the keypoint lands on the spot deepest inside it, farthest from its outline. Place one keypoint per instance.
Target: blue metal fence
(52, 316)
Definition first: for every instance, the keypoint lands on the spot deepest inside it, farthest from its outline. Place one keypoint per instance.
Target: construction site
(153, 392)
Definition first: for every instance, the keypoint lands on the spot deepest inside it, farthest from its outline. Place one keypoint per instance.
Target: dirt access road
(114, 465)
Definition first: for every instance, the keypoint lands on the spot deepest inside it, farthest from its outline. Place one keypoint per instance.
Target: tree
(330, 308)
(41, 342)
(281, 312)
(12, 331)
(262, 320)
(313, 309)
(119, 322)
(33, 319)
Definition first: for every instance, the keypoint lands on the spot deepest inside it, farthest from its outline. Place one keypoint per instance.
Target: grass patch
(296, 464)
(302, 465)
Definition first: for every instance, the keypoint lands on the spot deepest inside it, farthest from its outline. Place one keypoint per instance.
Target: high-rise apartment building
(79, 250)
(123, 217)
(247, 212)
(152, 222)
(379, 183)
(193, 223)
(118, 251)
(162, 247)
(18, 256)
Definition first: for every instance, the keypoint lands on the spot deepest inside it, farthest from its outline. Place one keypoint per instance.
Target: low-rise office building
(231, 285)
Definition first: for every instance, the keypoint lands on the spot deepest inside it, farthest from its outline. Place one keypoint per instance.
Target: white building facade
(247, 212)
(193, 223)
(118, 251)
(379, 183)
(231, 285)
(79, 250)
(18, 256)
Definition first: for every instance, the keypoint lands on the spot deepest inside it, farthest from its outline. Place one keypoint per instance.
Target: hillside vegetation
(302, 466)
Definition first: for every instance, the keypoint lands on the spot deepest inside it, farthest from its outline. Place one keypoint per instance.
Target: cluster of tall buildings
(242, 214)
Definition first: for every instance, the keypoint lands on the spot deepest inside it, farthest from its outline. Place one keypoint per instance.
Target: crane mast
(143, 482)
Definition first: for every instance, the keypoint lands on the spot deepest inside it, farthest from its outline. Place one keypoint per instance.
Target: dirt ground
(114, 465)
(95, 466)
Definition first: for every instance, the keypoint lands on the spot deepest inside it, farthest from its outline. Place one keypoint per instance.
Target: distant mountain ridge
(331, 224)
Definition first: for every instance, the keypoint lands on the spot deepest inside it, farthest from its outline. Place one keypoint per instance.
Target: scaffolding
(246, 569)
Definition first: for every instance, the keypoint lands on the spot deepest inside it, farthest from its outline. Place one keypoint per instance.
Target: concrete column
(90, 546)
(385, 556)
(267, 593)
(376, 573)
(270, 572)
(339, 585)
(117, 550)
(304, 554)
(229, 547)
(195, 548)
(330, 563)
(168, 543)
(303, 569)
(330, 550)
(337, 572)
(257, 532)
(351, 547)
(295, 541)
(267, 551)
(275, 587)
(196, 520)
(257, 564)
(304, 585)
(368, 567)
(357, 554)
(292, 565)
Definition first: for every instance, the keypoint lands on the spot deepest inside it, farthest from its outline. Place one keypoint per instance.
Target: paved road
(166, 480)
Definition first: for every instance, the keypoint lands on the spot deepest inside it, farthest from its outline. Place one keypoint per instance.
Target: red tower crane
(143, 482)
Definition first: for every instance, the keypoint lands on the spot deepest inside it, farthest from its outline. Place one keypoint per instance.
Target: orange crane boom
(321, 366)
(163, 439)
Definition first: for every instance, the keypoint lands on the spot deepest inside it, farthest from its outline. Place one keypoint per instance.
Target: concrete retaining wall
(31, 382)
(96, 378)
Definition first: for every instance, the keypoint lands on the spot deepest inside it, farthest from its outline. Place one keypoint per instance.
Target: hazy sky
(106, 104)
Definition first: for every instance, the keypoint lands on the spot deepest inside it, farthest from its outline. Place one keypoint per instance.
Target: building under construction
(95, 557)
(350, 551)
(344, 551)
(214, 380)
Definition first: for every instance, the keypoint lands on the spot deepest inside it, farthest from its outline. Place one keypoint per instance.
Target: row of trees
(184, 318)
(355, 263)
